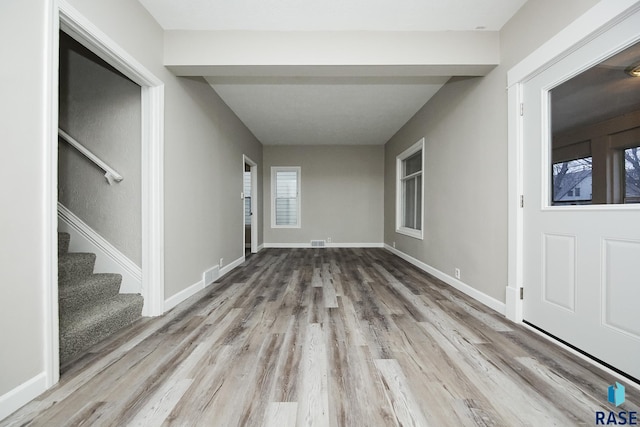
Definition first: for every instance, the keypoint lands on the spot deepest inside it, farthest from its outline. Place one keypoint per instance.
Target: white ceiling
(602, 92)
(332, 15)
(355, 111)
(321, 113)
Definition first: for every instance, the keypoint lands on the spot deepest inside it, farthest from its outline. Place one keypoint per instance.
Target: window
(285, 197)
(409, 200)
(595, 134)
(632, 175)
(568, 179)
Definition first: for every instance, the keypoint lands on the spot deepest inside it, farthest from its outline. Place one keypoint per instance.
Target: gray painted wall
(342, 193)
(203, 181)
(102, 110)
(465, 128)
(23, 247)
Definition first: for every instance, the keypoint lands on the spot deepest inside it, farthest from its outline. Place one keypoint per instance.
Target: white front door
(582, 251)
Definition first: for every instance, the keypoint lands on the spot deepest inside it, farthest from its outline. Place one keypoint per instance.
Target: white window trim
(274, 170)
(418, 234)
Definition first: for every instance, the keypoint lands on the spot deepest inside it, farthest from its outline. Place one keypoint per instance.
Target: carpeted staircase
(90, 305)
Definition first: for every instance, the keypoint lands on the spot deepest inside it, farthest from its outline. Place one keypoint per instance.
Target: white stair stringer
(108, 258)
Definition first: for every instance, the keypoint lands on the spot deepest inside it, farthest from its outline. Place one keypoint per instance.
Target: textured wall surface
(102, 110)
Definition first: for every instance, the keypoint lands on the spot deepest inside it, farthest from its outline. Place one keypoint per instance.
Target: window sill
(416, 234)
(284, 226)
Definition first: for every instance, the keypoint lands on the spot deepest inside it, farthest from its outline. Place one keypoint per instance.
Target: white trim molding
(485, 299)
(153, 199)
(183, 295)
(14, 399)
(108, 258)
(592, 23)
(50, 317)
(600, 18)
(189, 291)
(227, 268)
(327, 245)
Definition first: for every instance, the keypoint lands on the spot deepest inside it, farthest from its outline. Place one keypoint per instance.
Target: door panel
(559, 266)
(620, 289)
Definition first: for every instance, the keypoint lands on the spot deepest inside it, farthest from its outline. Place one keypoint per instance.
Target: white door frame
(67, 18)
(254, 205)
(595, 21)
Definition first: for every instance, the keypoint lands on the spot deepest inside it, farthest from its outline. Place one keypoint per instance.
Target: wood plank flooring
(325, 337)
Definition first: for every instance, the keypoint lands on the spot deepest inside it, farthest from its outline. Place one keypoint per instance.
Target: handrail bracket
(110, 174)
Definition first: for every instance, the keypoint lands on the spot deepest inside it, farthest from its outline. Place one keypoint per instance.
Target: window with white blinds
(285, 197)
(409, 200)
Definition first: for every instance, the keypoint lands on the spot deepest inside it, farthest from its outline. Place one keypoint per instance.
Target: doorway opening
(249, 208)
(99, 199)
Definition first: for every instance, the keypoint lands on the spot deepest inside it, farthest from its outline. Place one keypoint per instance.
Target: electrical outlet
(457, 273)
(221, 261)
(328, 239)
(394, 244)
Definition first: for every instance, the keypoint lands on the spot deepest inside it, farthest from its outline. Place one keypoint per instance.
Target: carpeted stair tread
(90, 305)
(74, 266)
(63, 243)
(84, 328)
(90, 290)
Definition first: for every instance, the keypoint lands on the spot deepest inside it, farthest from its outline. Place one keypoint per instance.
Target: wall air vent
(318, 243)
(211, 275)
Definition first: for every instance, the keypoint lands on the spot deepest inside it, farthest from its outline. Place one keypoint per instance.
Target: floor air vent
(318, 243)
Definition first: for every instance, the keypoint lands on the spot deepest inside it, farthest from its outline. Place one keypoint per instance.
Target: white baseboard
(108, 258)
(260, 247)
(328, 245)
(287, 245)
(21, 395)
(176, 299)
(227, 268)
(355, 245)
(459, 285)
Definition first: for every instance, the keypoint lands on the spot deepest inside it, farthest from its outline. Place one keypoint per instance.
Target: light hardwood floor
(326, 337)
